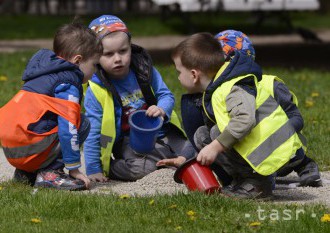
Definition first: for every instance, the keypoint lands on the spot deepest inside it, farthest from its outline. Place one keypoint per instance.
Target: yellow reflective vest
(273, 141)
(108, 125)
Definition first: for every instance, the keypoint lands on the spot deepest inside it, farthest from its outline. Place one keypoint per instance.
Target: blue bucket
(143, 131)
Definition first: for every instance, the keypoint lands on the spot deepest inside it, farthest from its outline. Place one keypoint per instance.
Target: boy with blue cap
(126, 81)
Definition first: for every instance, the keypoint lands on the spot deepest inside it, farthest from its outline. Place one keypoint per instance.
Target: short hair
(76, 39)
(200, 51)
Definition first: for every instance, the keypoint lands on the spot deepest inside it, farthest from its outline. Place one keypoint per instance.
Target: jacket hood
(46, 62)
(240, 65)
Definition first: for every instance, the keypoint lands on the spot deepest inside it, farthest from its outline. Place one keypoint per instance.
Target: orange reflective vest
(23, 148)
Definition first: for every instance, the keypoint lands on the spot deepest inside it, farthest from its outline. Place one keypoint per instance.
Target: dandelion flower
(36, 220)
(315, 94)
(3, 78)
(192, 218)
(178, 228)
(124, 196)
(325, 218)
(255, 224)
(1, 188)
(151, 202)
(309, 103)
(191, 213)
(173, 206)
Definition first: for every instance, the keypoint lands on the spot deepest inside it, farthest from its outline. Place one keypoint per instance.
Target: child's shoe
(310, 175)
(58, 179)
(24, 177)
(248, 190)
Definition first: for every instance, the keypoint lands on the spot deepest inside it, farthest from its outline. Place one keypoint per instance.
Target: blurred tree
(325, 6)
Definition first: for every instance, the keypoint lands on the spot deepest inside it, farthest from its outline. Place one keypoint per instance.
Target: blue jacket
(94, 113)
(50, 75)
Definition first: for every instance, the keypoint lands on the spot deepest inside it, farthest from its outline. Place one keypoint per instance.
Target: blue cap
(232, 40)
(106, 24)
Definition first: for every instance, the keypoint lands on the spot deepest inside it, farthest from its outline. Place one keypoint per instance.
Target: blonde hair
(200, 51)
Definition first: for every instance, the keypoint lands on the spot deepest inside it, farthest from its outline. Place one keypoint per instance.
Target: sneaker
(58, 179)
(248, 190)
(25, 177)
(310, 175)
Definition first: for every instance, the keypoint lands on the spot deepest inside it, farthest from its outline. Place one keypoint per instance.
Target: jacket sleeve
(92, 148)
(241, 107)
(165, 98)
(67, 132)
(283, 96)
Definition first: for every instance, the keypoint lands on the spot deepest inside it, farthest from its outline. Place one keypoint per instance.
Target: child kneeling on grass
(250, 147)
(41, 127)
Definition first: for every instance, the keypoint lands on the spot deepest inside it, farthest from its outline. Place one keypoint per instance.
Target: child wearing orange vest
(41, 127)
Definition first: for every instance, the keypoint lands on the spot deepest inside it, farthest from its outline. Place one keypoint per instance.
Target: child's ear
(76, 59)
(195, 75)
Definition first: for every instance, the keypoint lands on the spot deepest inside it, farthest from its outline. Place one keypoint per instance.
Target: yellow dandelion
(191, 213)
(1, 188)
(36, 220)
(151, 202)
(315, 94)
(178, 228)
(255, 224)
(192, 218)
(124, 196)
(173, 207)
(3, 78)
(309, 103)
(325, 218)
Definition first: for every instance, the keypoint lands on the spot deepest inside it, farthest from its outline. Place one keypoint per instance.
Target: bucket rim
(130, 122)
(180, 168)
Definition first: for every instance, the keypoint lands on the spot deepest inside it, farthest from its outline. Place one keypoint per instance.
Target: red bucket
(197, 177)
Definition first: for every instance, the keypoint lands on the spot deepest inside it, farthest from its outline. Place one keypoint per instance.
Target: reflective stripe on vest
(23, 148)
(108, 127)
(272, 142)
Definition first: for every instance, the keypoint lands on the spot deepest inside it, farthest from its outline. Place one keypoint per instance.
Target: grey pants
(132, 166)
(230, 161)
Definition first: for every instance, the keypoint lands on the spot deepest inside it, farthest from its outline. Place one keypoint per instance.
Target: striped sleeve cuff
(72, 166)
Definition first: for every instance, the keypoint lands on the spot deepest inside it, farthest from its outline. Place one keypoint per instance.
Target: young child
(41, 127)
(250, 147)
(125, 82)
(305, 167)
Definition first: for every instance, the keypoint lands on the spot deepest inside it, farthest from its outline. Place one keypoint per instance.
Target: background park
(294, 45)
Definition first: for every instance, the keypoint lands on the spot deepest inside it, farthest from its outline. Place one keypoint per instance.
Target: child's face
(116, 56)
(187, 78)
(88, 67)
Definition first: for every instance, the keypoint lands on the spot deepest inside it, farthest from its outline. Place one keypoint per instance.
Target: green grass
(31, 26)
(79, 212)
(23, 210)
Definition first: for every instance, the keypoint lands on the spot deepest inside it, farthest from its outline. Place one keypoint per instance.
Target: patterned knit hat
(106, 24)
(231, 40)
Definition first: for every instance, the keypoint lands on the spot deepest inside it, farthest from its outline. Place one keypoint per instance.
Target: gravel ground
(161, 182)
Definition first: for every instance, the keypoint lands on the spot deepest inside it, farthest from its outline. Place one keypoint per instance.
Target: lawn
(152, 25)
(28, 210)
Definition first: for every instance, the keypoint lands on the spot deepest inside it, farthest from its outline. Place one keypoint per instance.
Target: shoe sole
(49, 185)
(312, 183)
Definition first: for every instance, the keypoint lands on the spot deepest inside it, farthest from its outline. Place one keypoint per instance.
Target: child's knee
(202, 137)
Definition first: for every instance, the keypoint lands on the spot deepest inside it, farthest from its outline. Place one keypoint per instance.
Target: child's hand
(98, 177)
(154, 111)
(209, 153)
(176, 162)
(78, 175)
